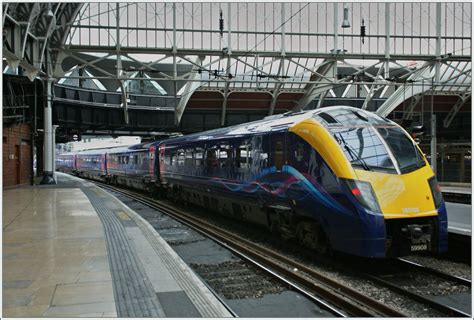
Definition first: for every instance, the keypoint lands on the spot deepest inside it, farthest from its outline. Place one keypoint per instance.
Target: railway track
(331, 295)
(441, 274)
(400, 275)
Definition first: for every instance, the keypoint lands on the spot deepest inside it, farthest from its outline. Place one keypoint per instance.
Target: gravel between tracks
(394, 300)
(454, 268)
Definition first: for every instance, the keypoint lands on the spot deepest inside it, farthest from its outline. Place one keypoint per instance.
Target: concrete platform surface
(461, 188)
(54, 255)
(459, 218)
(456, 189)
(74, 250)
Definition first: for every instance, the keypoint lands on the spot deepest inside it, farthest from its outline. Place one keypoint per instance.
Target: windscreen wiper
(352, 152)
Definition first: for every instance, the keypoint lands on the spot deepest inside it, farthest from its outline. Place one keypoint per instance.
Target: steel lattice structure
(407, 50)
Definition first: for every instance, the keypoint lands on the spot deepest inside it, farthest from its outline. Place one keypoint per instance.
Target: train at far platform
(335, 178)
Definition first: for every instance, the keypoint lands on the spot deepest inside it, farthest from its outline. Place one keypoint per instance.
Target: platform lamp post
(48, 172)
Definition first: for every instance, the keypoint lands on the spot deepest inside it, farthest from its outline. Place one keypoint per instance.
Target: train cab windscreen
(403, 149)
(371, 142)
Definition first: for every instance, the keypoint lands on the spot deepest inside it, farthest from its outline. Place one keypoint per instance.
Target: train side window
(263, 157)
(278, 155)
(168, 159)
(211, 158)
(299, 152)
(173, 158)
(225, 156)
(243, 156)
(135, 159)
(189, 158)
(199, 157)
(181, 158)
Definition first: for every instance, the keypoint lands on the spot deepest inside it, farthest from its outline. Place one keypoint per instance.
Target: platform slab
(53, 239)
(74, 250)
(459, 218)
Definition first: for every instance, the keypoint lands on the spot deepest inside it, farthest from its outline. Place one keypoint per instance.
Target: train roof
(335, 115)
(121, 149)
(67, 154)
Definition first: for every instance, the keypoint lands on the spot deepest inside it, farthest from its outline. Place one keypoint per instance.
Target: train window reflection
(363, 148)
(198, 157)
(403, 149)
(180, 157)
(211, 158)
(243, 157)
(189, 158)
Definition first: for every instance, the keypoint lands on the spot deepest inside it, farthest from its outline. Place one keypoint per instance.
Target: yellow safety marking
(122, 215)
(325, 144)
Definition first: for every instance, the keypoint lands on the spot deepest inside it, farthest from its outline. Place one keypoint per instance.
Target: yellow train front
(385, 176)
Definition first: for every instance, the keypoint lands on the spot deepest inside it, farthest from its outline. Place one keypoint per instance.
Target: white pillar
(54, 151)
(48, 165)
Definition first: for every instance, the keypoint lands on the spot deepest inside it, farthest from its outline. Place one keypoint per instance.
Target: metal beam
(189, 89)
(409, 112)
(246, 53)
(454, 110)
(373, 88)
(402, 93)
(315, 89)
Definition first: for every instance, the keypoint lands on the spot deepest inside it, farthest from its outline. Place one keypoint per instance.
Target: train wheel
(312, 236)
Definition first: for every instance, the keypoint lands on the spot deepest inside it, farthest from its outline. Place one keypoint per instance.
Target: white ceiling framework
(407, 49)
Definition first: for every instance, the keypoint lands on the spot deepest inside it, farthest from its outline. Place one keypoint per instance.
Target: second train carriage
(133, 166)
(91, 164)
(66, 162)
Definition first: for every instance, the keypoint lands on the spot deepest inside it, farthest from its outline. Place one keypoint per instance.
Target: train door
(278, 150)
(151, 162)
(160, 162)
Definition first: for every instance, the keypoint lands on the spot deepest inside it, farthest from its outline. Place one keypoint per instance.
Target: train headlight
(364, 194)
(436, 191)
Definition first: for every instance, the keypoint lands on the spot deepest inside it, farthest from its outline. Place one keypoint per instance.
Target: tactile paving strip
(134, 294)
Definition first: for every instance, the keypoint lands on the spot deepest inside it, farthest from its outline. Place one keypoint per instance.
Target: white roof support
(408, 91)
(373, 88)
(226, 94)
(454, 110)
(312, 90)
(189, 89)
(409, 112)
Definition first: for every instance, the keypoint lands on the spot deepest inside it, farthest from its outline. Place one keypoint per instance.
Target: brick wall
(17, 167)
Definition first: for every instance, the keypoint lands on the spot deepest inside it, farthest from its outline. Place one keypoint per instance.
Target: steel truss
(274, 48)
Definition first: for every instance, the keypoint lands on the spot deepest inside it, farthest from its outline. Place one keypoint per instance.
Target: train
(334, 179)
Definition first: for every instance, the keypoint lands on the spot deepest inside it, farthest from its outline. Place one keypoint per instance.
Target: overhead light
(345, 22)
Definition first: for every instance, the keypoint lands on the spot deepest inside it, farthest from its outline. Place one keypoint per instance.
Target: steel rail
(446, 310)
(441, 274)
(345, 298)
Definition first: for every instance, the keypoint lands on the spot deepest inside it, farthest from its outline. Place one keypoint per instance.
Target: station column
(48, 172)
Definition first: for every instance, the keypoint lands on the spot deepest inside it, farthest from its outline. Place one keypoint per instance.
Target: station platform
(73, 250)
(459, 188)
(459, 218)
